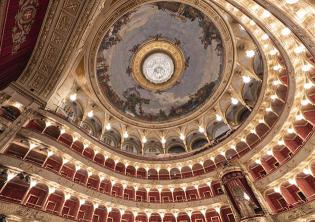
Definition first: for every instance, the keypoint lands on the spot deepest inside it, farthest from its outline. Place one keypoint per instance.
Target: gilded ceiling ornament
(158, 65)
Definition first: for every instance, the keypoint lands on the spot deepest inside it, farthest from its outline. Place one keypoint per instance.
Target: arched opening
(54, 202)
(10, 113)
(198, 143)
(15, 189)
(36, 196)
(70, 208)
(176, 149)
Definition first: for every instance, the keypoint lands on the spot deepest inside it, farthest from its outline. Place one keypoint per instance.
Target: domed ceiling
(185, 72)
(172, 74)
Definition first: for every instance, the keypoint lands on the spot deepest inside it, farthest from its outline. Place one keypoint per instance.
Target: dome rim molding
(227, 73)
(214, 149)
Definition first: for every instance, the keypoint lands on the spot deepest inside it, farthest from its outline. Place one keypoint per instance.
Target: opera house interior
(157, 110)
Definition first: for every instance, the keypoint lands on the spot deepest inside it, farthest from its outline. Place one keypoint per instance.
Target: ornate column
(9, 134)
(245, 203)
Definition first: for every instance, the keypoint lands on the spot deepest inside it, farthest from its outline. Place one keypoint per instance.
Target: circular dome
(158, 68)
(163, 64)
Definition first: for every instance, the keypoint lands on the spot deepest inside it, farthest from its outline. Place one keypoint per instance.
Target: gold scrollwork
(147, 49)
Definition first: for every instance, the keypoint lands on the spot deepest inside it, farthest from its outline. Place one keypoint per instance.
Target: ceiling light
(217, 209)
(77, 166)
(305, 102)
(291, 1)
(308, 85)
(291, 130)
(269, 153)
(274, 97)
(281, 142)
(64, 161)
(163, 140)
(90, 114)
(11, 175)
(246, 197)
(73, 97)
(292, 181)
(18, 105)
(182, 136)
(277, 189)
(51, 190)
(126, 135)
(201, 129)
(250, 53)
(299, 117)
(265, 37)
(33, 183)
(218, 117)
(108, 126)
(32, 145)
(258, 161)
(286, 31)
(48, 123)
(67, 196)
(144, 140)
(50, 153)
(274, 52)
(204, 211)
(135, 214)
(266, 14)
(122, 211)
(234, 101)
(299, 50)
(306, 68)
(246, 79)
(82, 201)
(269, 109)
(301, 14)
(276, 82)
(277, 67)
(307, 171)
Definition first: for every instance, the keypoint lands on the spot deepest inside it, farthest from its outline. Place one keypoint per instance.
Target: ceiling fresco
(186, 27)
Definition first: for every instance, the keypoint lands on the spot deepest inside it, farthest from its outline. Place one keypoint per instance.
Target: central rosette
(158, 68)
(158, 64)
